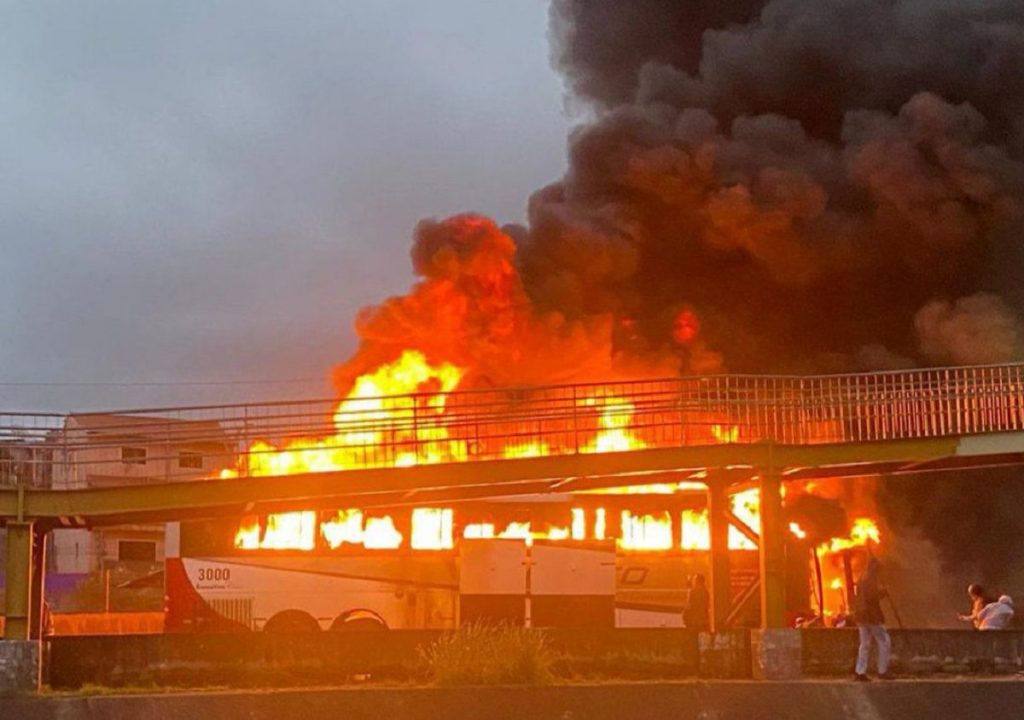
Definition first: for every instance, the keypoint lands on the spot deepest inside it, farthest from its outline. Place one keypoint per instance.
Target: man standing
(696, 615)
(871, 623)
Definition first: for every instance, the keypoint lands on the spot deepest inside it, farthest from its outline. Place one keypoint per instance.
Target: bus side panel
(572, 586)
(492, 581)
(402, 592)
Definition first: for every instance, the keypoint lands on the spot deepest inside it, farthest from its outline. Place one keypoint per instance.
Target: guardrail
(176, 443)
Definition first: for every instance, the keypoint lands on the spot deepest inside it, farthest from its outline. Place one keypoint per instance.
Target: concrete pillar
(18, 591)
(718, 525)
(19, 667)
(773, 553)
(776, 654)
(775, 651)
(19, 656)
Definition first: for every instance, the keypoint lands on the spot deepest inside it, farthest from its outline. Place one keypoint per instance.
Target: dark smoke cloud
(601, 46)
(818, 184)
(976, 330)
(758, 186)
(973, 518)
(809, 178)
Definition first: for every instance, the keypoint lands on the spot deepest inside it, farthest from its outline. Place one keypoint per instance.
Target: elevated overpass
(165, 464)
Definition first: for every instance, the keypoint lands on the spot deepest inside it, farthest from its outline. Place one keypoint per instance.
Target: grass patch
(489, 655)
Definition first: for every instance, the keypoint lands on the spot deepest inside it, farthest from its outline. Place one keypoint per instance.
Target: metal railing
(177, 443)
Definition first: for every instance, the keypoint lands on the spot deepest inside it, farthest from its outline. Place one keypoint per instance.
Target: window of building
(190, 459)
(133, 455)
(136, 551)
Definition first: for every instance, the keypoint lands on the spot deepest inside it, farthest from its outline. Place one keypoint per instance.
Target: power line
(161, 383)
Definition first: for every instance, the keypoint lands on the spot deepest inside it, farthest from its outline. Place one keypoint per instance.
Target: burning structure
(827, 186)
(405, 414)
(760, 185)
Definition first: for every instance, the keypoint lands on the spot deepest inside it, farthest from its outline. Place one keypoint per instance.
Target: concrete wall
(19, 667)
(324, 658)
(927, 700)
(917, 652)
(639, 654)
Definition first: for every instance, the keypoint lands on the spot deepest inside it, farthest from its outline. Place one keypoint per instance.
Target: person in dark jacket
(871, 622)
(697, 612)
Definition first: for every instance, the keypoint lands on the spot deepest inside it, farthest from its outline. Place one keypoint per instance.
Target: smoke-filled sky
(211, 190)
(828, 184)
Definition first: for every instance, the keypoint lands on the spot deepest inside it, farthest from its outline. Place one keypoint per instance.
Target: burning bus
(600, 557)
(545, 561)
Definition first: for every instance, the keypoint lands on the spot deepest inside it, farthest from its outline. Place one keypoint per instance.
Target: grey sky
(199, 190)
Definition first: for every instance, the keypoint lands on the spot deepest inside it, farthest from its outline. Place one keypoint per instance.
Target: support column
(19, 656)
(18, 592)
(775, 652)
(773, 553)
(720, 581)
(38, 582)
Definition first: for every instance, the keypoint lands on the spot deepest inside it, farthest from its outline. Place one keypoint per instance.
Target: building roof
(143, 427)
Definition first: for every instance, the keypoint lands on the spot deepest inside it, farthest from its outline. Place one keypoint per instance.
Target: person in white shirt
(997, 615)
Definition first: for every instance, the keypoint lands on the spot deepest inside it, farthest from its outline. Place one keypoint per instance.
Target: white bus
(577, 561)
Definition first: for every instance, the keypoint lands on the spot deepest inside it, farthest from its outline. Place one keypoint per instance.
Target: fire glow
(394, 417)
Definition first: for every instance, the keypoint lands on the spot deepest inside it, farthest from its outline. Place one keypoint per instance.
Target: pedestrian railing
(178, 443)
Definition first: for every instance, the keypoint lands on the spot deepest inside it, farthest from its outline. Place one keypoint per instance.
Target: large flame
(834, 559)
(373, 429)
(614, 434)
(394, 416)
(863, 532)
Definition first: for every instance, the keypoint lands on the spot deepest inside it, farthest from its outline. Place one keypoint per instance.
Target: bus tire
(291, 621)
(358, 620)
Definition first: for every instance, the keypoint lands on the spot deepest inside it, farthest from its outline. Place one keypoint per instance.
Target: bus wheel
(291, 621)
(358, 621)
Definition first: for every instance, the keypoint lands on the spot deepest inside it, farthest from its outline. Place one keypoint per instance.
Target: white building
(106, 450)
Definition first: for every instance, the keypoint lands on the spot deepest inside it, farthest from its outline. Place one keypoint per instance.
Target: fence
(183, 443)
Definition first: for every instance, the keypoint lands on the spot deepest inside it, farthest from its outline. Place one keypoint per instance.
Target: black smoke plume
(756, 186)
(821, 181)
(820, 185)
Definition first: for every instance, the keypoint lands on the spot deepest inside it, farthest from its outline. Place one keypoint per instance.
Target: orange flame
(393, 417)
(432, 529)
(614, 434)
(295, 530)
(360, 421)
(646, 532)
(862, 534)
(351, 527)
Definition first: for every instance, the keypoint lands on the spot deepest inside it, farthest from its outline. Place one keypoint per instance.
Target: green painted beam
(297, 491)
(450, 482)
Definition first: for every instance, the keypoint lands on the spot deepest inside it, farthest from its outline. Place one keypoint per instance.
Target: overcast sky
(209, 191)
